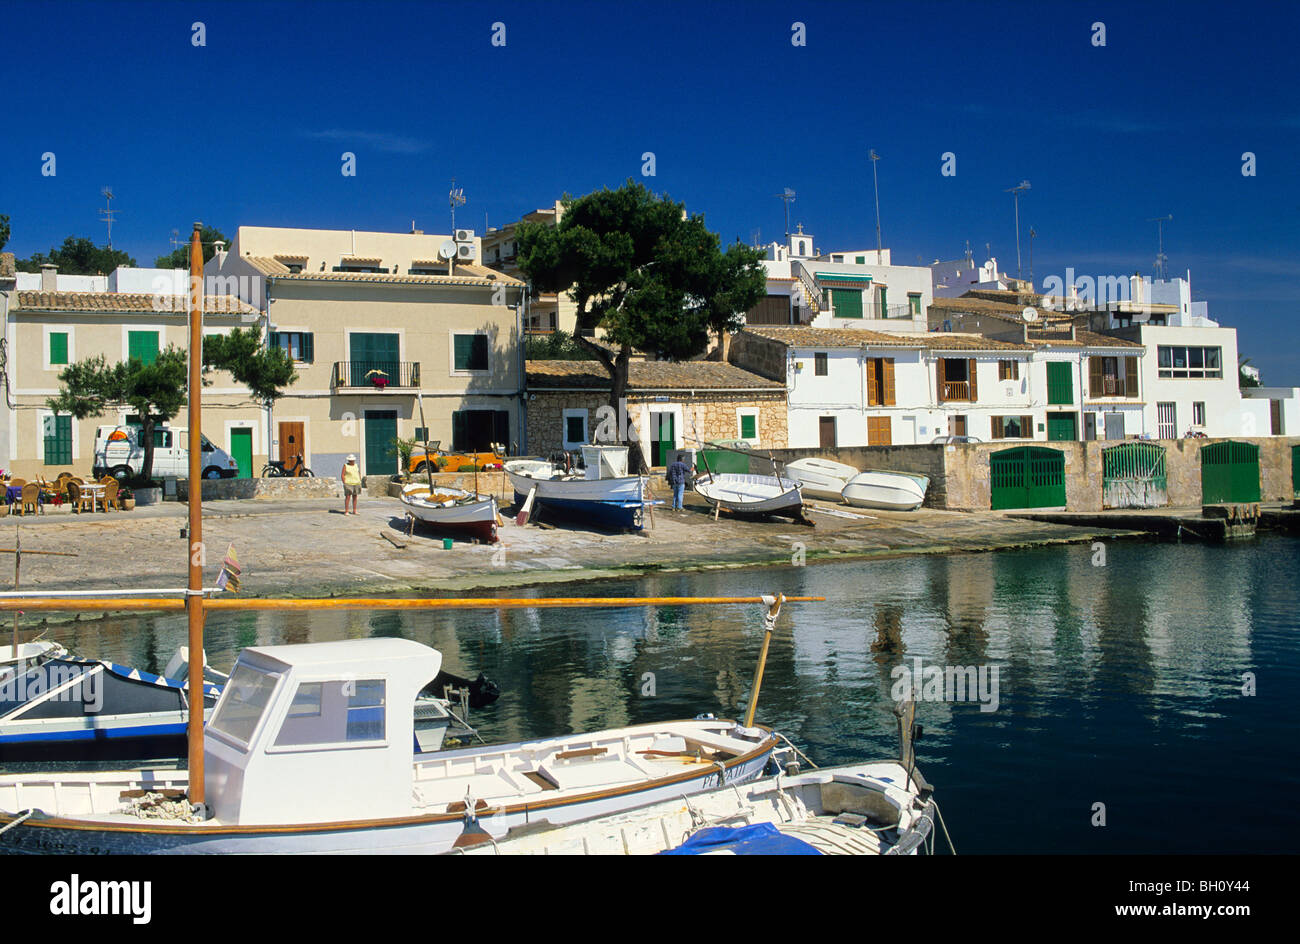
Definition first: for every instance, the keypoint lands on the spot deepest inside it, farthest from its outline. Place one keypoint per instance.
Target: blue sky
(1153, 123)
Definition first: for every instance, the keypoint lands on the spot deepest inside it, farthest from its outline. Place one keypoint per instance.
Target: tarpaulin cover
(761, 839)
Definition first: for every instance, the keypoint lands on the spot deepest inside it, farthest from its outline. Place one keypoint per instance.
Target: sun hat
(352, 458)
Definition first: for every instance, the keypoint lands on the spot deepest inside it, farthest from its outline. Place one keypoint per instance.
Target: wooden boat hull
(820, 478)
(426, 834)
(889, 491)
(750, 494)
(476, 518)
(614, 502)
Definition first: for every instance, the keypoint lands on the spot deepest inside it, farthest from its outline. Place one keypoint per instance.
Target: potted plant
(128, 498)
(377, 377)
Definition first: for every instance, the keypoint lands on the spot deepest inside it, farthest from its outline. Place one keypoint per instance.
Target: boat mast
(194, 590)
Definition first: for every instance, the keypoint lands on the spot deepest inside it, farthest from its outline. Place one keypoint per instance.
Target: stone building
(668, 406)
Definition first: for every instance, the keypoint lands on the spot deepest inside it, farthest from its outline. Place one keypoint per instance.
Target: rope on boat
(24, 815)
(801, 754)
(947, 838)
(160, 806)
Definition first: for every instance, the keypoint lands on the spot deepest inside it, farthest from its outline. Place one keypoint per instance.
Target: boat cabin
(605, 462)
(316, 733)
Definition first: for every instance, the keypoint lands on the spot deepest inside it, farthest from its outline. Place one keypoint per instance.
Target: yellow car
(450, 462)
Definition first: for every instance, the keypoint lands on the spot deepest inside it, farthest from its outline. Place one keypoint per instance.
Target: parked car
(119, 453)
(448, 462)
(946, 440)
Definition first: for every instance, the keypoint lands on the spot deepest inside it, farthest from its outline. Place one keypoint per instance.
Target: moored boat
(857, 809)
(602, 492)
(887, 490)
(304, 755)
(820, 478)
(750, 494)
(453, 509)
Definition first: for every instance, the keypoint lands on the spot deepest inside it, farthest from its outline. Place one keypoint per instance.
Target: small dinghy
(858, 809)
(751, 494)
(891, 491)
(452, 508)
(820, 478)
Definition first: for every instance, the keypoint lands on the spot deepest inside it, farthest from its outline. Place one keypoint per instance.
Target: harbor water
(1142, 699)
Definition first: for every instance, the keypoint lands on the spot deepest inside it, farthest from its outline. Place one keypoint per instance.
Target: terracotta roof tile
(647, 375)
(952, 341)
(803, 336)
(267, 265)
(1081, 339)
(495, 279)
(129, 302)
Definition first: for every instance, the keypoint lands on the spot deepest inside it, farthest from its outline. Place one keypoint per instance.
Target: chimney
(8, 265)
(219, 253)
(49, 278)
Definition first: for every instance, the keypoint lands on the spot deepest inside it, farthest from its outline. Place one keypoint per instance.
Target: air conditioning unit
(464, 235)
(465, 251)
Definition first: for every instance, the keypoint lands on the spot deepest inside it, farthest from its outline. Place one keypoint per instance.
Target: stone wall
(761, 356)
(713, 412)
(960, 475)
(277, 489)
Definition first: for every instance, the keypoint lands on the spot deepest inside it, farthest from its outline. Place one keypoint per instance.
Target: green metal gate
(1295, 471)
(1027, 477)
(1229, 472)
(1133, 476)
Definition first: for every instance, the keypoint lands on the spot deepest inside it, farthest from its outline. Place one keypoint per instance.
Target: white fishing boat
(309, 751)
(858, 809)
(17, 660)
(452, 508)
(601, 491)
(820, 478)
(891, 491)
(750, 494)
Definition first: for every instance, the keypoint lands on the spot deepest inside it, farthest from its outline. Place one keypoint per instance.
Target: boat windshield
(342, 712)
(243, 703)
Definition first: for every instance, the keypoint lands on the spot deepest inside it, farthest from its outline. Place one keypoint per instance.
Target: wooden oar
(521, 519)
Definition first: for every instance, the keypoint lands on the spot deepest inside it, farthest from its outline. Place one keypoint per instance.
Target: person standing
(677, 473)
(351, 484)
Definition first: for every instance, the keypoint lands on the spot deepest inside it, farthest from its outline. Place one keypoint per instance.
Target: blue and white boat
(600, 493)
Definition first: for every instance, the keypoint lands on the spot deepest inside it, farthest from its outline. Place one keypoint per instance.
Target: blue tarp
(762, 839)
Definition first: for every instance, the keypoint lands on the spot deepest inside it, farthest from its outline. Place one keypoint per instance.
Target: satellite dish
(447, 250)
(1030, 314)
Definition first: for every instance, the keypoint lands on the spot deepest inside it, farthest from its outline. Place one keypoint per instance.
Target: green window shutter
(58, 440)
(1060, 388)
(847, 302)
(459, 430)
(861, 260)
(58, 347)
(880, 300)
(273, 339)
(749, 426)
(143, 346)
(308, 353)
(464, 346)
(421, 434)
(500, 425)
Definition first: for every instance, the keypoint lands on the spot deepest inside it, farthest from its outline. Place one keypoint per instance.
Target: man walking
(678, 472)
(351, 484)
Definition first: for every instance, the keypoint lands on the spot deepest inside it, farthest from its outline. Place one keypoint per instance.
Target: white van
(119, 453)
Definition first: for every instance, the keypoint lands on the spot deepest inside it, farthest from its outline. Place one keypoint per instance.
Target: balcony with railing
(1111, 387)
(958, 390)
(381, 376)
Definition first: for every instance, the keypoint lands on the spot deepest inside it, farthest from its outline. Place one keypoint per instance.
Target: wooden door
(959, 426)
(826, 432)
(292, 443)
(241, 450)
(878, 431)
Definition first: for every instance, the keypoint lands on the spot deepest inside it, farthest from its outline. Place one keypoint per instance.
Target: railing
(956, 390)
(376, 374)
(812, 295)
(1111, 387)
(889, 311)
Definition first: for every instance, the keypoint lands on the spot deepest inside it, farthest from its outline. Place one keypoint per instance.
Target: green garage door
(1133, 476)
(381, 454)
(1229, 472)
(1027, 477)
(1061, 426)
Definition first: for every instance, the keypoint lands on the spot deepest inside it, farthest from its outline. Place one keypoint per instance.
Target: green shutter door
(58, 440)
(241, 450)
(1230, 472)
(1060, 387)
(1027, 477)
(381, 430)
(1061, 427)
(142, 345)
(664, 439)
(1295, 471)
(367, 352)
(847, 302)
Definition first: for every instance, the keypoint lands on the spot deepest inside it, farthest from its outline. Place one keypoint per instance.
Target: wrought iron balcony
(377, 375)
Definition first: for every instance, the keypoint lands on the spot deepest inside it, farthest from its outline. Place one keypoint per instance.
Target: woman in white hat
(351, 484)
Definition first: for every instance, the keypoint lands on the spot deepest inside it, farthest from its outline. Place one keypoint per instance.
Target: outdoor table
(95, 492)
(14, 493)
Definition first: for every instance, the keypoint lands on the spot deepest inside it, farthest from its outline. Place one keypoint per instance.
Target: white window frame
(1198, 412)
(295, 329)
(564, 427)
(45, 344)
(161, 331)
(40, 436)
(451, 354)
(1173, 420)
(756, 413)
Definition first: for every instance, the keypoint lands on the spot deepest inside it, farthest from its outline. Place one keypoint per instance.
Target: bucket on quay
(446, 544)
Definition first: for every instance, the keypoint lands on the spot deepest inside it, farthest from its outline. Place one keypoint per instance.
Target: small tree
(652, 277)
(155, 391)
(264, 370)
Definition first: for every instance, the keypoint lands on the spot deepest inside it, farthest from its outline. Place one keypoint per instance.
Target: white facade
(821, 290)
(1185, 399)
(1276, 409)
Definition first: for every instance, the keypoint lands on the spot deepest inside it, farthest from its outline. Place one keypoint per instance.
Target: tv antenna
(456, 198)
(786, 197)
(1015, 192)
(875, 180)
(107, 213)
(1161, 258)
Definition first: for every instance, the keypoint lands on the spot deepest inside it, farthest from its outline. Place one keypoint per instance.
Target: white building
(841, 290)
(1276, 410)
